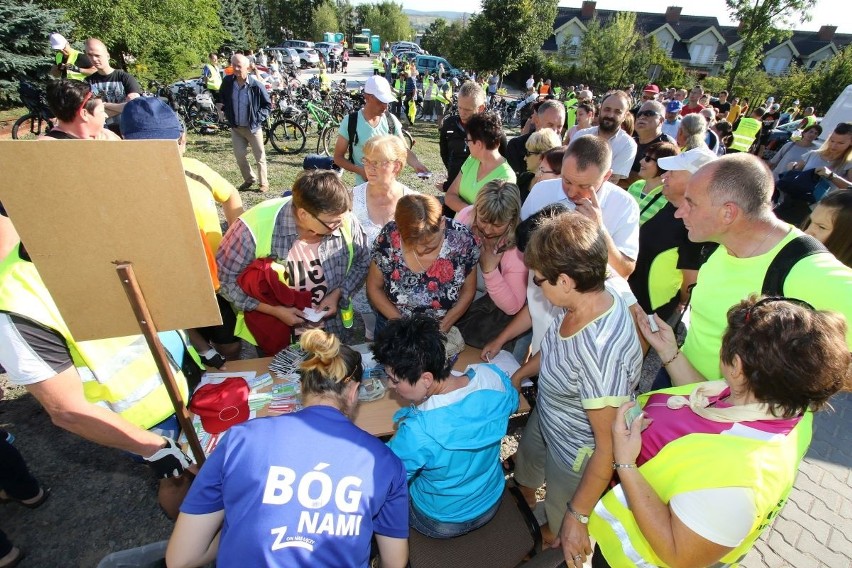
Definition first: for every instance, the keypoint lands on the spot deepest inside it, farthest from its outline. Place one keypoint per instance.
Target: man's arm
(341, 147)
(62, 397)
(195, 540)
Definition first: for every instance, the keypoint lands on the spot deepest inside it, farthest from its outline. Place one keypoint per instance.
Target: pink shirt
(507, 285)
(669, 425)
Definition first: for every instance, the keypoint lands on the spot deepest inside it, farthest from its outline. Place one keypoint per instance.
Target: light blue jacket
(450, 446)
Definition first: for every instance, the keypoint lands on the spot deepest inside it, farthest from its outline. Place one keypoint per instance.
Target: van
(429, 64)
(840, 111)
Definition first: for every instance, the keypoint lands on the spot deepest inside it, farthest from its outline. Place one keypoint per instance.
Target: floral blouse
(435, 291)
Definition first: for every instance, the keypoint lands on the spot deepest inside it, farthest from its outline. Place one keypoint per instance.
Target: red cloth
(261, 282)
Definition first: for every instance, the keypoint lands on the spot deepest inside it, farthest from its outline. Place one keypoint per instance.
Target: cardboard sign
(82, 205)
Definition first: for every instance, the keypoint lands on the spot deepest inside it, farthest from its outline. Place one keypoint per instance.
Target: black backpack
(353, 129)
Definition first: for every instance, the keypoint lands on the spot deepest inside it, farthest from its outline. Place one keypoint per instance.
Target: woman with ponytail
(303, 489)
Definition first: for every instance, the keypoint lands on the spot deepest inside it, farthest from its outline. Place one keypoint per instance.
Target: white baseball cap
(379, 88)
(690, 161)
(57, 41)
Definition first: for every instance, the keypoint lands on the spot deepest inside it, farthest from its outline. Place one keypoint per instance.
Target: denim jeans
(439, 529)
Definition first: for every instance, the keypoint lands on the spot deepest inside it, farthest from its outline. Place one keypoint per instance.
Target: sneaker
(246, 185)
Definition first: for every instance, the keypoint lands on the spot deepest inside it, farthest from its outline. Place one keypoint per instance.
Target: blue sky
(826, 12)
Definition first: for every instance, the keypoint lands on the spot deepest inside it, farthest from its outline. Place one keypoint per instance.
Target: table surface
(375, 417)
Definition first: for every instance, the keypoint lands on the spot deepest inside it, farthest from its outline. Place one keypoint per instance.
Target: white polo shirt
(623, 149)
(620, 214)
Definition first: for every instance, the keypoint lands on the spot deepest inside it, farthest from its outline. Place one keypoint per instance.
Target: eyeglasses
(375, 164)
(539, 281)
(468, 140)
(647, 113)
(770, 299)
(528, 153)
(647, 158)
(541, 171)
(329, 228)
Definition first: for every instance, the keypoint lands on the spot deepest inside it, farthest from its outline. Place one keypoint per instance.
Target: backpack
(353, 130)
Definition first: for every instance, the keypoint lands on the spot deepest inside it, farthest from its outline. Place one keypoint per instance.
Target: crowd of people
(555, 245)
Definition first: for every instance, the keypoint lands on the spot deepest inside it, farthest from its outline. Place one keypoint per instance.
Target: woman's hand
(293, 317)
(330, 303)
(664, 341)
(627, 442)
(491, 349)
(488, 259)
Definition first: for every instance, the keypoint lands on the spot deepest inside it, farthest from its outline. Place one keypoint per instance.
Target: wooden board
(81, 205)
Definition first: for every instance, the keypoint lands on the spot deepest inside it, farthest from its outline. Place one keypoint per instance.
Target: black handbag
(804, 185)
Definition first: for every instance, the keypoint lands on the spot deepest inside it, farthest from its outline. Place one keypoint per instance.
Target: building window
(702, 54)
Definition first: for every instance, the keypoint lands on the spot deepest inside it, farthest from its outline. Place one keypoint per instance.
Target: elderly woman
(589, 364)
(717, 459)
(501, 285)
(422, 263)
(692, 132)
(317, 248)
(244, 505)
(449, 438)
(374, 202)
(484, 164)
(537, 145)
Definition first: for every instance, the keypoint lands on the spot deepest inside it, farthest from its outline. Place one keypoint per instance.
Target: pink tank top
(669, 425)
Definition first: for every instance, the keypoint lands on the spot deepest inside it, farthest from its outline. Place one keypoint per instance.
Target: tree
(289, 19)
(234, 26)
(760, 23)
(325, 20)
(447, 40)
(505, 32)
(385, 19)
(251, 12)
(820, 86)
(164, 40)
(434, 37)
(24, 48)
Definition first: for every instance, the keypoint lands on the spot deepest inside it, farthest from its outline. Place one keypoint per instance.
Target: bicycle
(39, 120)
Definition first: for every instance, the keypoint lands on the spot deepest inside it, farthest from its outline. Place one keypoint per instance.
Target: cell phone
(424, 175)
(652, 321)
(631, 415)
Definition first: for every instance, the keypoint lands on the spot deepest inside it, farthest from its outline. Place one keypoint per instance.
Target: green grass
(216, 151)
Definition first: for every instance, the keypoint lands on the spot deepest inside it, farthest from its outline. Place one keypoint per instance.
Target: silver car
(324, 47)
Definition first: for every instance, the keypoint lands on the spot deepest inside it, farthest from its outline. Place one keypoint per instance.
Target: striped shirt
(598, 366)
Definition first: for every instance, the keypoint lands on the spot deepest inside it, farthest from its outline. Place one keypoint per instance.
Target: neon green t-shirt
(469, 186)
(724, 280)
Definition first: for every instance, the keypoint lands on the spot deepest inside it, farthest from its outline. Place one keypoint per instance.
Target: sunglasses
(528, 153)
(539, 281)
(647, 113)
(649, 158)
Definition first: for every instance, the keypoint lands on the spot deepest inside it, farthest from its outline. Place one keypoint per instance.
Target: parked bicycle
(38, 120)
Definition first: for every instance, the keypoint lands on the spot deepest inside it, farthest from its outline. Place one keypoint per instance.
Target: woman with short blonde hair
(374, 202)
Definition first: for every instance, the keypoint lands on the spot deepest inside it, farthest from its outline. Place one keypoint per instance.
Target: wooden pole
(143, 316)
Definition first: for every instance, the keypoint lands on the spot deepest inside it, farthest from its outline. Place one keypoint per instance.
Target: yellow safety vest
(72, 59)
(377, 64)
(325, 80)
(260, 221)
(768, 468)
(118, 373)
(215, 80)
(746, 132)
(442, 98)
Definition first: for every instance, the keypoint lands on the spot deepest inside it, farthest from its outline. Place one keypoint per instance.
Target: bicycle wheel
(328, 139)
(287, 137)
(419, 115)
(409, 139)
(30, 127)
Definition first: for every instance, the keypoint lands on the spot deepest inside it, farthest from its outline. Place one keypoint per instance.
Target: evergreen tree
(250, 10)
(233, 24)
(24, 47)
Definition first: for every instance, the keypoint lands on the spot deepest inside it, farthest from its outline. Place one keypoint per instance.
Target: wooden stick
(143, 316)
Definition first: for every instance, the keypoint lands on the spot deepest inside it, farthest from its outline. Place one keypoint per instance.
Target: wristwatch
(582, 518)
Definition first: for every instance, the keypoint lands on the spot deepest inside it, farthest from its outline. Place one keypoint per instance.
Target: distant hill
(434, 15)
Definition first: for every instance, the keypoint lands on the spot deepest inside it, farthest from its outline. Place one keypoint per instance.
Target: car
(308, 56)
(296, 43)
(324, 47)
(289, 56)
(429, 64)
(406, 46)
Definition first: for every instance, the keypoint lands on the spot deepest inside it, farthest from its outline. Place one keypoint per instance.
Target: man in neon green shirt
(728, 202)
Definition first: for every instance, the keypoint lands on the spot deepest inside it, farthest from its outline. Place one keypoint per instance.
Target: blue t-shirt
(303, 489)
(365, 132)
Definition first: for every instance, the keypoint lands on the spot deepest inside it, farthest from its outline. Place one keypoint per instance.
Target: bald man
(246, 105)
(114, 86)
